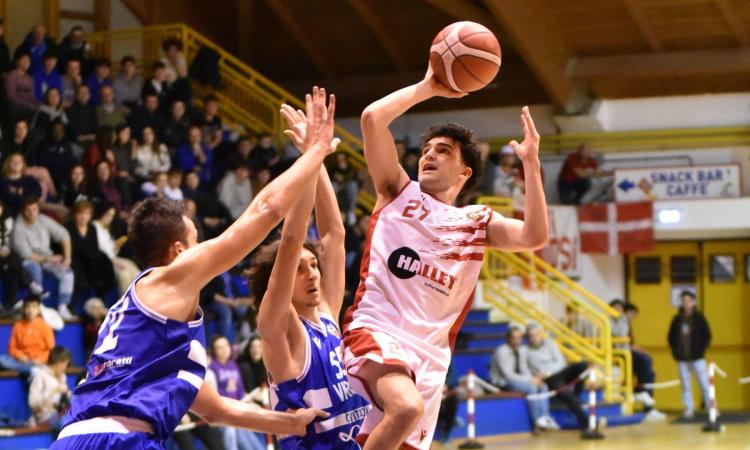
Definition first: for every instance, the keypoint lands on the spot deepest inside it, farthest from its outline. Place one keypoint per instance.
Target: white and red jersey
(420, 265)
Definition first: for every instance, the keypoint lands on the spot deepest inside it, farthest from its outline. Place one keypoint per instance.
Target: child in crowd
(49, 394)
(31, 340)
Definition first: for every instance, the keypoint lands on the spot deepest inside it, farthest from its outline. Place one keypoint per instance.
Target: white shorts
(365, 344)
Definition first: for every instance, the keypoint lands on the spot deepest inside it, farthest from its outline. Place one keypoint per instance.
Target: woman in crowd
(125, 269)
(151, 157)
(76, 187)
(49, 111)
(92, 268)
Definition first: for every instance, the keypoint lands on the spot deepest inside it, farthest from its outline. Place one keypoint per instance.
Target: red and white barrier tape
(592, 400)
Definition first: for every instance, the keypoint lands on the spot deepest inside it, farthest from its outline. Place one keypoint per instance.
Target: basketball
(465, 56)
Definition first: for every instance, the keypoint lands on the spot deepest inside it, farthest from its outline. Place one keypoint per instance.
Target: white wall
(122, 17)
(603, 275)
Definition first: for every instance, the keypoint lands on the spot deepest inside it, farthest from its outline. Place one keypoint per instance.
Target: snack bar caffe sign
(661, 183)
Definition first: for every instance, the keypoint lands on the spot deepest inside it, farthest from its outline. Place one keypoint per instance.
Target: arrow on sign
(626, 185)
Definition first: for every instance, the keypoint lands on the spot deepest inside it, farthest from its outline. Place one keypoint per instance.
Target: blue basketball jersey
(144, 366)
(322, 384)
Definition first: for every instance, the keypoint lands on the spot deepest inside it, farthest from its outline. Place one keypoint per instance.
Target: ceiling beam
(647, 30)
(539, 42)
(381, 32)
(299, 34)
(674, 64)
(735, 24)
(465, 10)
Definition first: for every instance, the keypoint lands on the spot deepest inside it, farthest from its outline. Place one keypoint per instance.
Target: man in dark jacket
(689, 337)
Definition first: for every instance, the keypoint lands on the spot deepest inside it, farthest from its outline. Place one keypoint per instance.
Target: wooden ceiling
(565, 52)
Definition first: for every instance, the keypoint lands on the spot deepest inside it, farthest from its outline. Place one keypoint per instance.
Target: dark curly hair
(470, 154)
(155, 224)
(260, 271)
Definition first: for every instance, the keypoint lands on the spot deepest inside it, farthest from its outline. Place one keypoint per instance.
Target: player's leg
(687, 392)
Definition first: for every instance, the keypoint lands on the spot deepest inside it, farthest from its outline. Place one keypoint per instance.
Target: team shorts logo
(404, 263)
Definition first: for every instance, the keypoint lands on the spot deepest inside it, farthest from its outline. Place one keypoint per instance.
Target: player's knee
(406, 408)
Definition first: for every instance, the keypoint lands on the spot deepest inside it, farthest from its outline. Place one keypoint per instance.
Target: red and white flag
(616, 228)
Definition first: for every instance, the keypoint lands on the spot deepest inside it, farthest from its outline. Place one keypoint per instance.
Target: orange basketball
(465, 56)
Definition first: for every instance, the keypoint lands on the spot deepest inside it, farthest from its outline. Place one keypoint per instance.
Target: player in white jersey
(421, 263)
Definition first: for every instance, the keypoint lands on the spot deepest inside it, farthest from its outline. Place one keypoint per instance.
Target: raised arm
(380, 149)
(530, 234)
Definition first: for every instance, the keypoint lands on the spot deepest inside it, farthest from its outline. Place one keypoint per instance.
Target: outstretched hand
(529, 148)
(313, 127)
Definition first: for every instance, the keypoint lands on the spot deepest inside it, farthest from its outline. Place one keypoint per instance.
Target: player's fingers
(334, 144)
(331, 108)
(301, 115)
(308, 104)
(321, 413)
(288, 117)
(514, 143)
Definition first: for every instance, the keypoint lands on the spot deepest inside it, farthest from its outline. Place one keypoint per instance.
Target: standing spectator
(147, 115)
(99, 78)
(5, 61)
(235, 191)
(31, 239)
(71, 80)
(19, 88)
(92, 268)
(36, 44)
(156, 85)
(75, 187)
(75, 47)
(151, 157)
(264, 156)
(175, 131)
(49, 395)
(47, 76)
(12, 272)
(56, 154)
(128, 83)
(110, 113)
(125, 269)
(49, 111)
(509, 370)
(15, 187)
(576, 175)
(195, 155)
(210, 122)
(31, 340)
(344, 182)
(689, 337)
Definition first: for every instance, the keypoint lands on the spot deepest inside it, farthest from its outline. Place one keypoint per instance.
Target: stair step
(477, 360)
(478, 315)
(484, 327)
(25, 438)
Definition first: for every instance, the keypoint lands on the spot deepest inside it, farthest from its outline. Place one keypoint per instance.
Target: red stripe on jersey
(362, 438)
(453, 334)
(463, 257)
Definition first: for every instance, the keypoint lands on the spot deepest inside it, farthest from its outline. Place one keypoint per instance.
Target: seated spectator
(156, 85)
(235, 192)
(578, 324)
(31, 340)
(124, 154)
(509, 370)
(173, 191)
(219, 297)
(106, 188)
(576, 175)
(191, 212)
(99, 78)
(151, 156)
(547, 362)
(156, 187)
(125, 269)
(92, 268)
(49, 395)
(240, 154)
(75, 47)
(56, 154)
(250, 362)
(147, 115)
(49, 111)
(175, 131)
(20, 141)
(70, 82)
(176, 70)
(210, 122)
(15, 187)
(264, 156)
(94, 313)
(47, 76)
(214, 215)
(82, 124)
(104, 142)
(19, 89)
(5, 60)
(32, 235)
(344, 182)
(128, 83)
(195, 155)
(109, 113)
(504, 175)
(36, 44)
(75, 188)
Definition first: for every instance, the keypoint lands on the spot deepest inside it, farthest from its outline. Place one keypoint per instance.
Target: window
(722, 269)
(683, 269)
(648, 270)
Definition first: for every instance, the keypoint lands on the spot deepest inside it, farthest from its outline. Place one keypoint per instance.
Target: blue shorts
(109, 441)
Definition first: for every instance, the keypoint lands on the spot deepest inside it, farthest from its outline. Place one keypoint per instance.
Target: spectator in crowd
(264, 156)
(176, 70)
(504, 176)
(219, 297)
(104, 142)
(344, 182)
(156, 85)
(19, 88)
(156, 187)
(92, 268)
(576, 175)
(509, 370)
(547, 362)
(47, 76)
(229, 384)
(49, 394)
(124, 149)
(354, 240)
(36, 44)
(71, 80)
(94, 313)
(125, 269)
(82, 124)
(578, 324)
(191, 212)
(448, 408)
(128, 83)
(240, 154)
(689, 338)
(49, 111)
(107, 188)
(110, 113)
(5, 60)
(250, 361)
(56, 154)
(173, 191)
(147, 115)
(175, 131)
(234, 190)
(19, 141)
(12, 273)
(213, 214)
(151, 156)
(643, 365)
(208, 435)
(195, 155)
(32, 235)
(31, 340)
(15, 187)
(75, 47)
(99, 78)
(210, 122)
(410, 163)
(75, 188)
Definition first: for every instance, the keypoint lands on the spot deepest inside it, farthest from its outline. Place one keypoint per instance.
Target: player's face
(307, 281)
(441, 166)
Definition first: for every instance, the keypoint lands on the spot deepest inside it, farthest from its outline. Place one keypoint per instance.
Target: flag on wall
(616, 228)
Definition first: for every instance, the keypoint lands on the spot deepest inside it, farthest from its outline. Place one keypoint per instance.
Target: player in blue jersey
(148, 366)
(302, 292)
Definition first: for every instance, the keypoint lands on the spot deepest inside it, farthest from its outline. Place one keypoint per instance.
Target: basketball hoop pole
(471, 442)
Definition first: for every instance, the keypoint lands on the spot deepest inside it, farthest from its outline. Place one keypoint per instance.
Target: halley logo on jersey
(405, 263)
